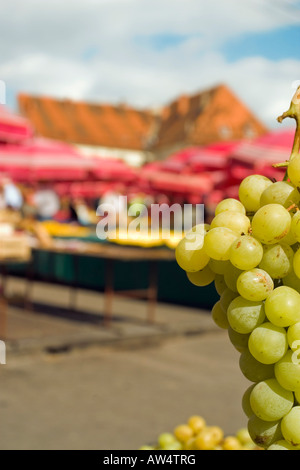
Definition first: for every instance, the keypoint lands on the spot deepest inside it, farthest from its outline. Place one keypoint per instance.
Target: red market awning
(181, 184)
(274, 147)
(259, 155)
(85, 189)
(13, 128)
(43, 159)
(112, 169)
(212, 158)
(219, 149)
(172, 166)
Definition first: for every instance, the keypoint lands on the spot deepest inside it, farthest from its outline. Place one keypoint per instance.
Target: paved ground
(70, 383)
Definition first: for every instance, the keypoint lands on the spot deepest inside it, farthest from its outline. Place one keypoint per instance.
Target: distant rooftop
(210, 116)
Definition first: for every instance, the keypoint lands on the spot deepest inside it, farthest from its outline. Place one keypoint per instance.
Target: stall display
(14, 243)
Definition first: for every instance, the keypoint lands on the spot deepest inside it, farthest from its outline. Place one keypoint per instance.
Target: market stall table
(110, 253)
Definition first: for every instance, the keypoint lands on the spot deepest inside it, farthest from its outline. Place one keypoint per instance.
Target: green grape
(291, 280)
(280, 192)
(290, 426)
(230, 204)
(251, 189)
(295, 226)
(220, 284)
(227, 297)
(190, 253)
(289, 239)
(277, 260)
(296, 263)
(287, 372)
(293, 336)
(246, 252)
(219, 316)
(243, 436)
(255, 284)
(264, 433)
(296, 353)
(245, 315)
(218, 267)
(235, 221)
(293, 171)
(282, 306)
(297, 396)
(199, 228)
(246, 407)
(254, 370)
(268, 343)
(176, 445)
(238, 340)
(230, 277)
(204, 277)
(165, 439)
(217, 243)
(282, 444)
(269, 401)
(271, 223)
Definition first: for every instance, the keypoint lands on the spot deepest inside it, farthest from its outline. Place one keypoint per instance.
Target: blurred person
(82, 212)
(29, 208)
(47, 203)
(9, 203)
(10, 195)
(64, 213)
(117, 200)
(13, 196)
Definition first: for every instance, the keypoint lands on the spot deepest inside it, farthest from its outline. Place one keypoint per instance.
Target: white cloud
(44, 49)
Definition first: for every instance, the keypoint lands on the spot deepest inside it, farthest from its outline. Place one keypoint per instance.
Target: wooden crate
(15, 246)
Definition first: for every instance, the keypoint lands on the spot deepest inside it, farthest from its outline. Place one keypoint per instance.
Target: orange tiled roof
(211, 116)
(88, 124)
(207, 117)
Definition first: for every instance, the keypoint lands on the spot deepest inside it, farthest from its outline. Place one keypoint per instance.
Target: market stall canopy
(188, 187)
(260, 154)
(112, 169)
(219, 149)
(200, 159)
(85, 189)
(274, 147)
(41, 159)
(13, 128)
(173, 166)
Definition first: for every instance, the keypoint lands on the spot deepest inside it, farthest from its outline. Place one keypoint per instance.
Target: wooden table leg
(3, 305)
(73, 287)
(28, 304)
(152, 290)
(3, 314)
(108, 291)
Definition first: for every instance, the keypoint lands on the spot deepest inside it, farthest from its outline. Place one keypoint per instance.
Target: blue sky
(280, 44)
(147, 52)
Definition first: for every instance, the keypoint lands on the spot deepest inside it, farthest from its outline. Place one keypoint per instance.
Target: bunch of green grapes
(251, 251)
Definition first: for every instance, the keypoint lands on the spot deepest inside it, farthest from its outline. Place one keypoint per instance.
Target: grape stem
(293, 206)
(294, 112)
(280, 165)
